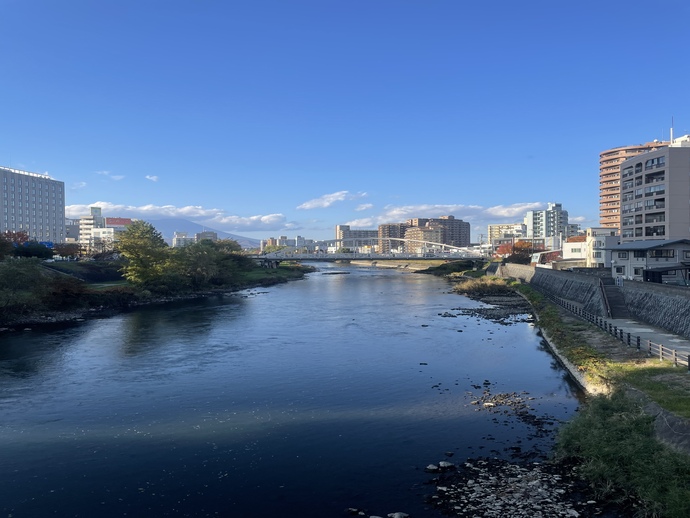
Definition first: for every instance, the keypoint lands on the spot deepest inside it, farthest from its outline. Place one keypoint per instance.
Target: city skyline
(276, 118)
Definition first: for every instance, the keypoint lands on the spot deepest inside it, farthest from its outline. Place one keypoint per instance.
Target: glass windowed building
(33, 203)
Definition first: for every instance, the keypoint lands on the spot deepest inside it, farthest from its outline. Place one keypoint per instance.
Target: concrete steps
(617, 305)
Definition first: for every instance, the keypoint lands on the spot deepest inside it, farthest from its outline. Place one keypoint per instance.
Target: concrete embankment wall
(577, 287)
(659, 305)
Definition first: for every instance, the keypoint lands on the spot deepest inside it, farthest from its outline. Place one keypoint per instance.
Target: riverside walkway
(656, 341)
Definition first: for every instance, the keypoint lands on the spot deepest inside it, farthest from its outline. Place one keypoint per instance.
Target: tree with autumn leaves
(518, 252)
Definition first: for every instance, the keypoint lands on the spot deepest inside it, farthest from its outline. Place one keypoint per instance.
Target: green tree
(67, 249)
(6, 246)
(197, 263)
(33, 249)
(145, 252)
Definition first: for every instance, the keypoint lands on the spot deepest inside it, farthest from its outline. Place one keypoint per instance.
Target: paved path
(654, 334)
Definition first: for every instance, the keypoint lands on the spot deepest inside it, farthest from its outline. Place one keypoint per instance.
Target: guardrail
(661, 351)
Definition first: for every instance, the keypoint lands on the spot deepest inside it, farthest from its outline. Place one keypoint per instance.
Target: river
(299, 400)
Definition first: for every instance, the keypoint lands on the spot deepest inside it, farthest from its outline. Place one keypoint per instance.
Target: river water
(299, 400)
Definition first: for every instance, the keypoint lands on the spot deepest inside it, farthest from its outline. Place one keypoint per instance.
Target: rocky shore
(518, 481)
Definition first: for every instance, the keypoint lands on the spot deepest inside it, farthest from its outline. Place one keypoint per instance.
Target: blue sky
(286, 117)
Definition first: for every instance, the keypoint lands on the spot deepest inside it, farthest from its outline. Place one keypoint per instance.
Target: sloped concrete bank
(578, 287)
(659, 305)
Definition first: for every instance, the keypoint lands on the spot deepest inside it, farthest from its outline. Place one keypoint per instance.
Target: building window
(662, 253)
(622, 255)
(637, 272)
(620, 270)
(639, 254)
(655, 231)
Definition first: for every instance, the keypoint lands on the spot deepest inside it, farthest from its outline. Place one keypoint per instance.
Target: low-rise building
(660, 261)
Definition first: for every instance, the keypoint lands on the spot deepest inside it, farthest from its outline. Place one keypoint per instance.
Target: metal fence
(653, 349)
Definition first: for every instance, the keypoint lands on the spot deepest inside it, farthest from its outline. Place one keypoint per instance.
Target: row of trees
(151, 264)
(18, 244)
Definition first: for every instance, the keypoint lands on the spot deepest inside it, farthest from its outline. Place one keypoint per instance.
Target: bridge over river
(272, 260)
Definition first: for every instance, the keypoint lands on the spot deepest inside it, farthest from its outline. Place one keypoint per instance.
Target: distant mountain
(169, 226)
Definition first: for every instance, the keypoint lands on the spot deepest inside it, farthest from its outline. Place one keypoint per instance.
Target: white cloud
(362, 223)
(217, 218)
(514, 210)
(78, 185)
(364, 206)
(110, 175)
(329, 199)
(152, 178)
(577, 219)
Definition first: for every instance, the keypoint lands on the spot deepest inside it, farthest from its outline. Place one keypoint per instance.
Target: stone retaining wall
(659, 305)
(577, 287)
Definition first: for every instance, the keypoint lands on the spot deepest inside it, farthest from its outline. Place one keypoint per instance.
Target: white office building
(552, 222)
(33, 203)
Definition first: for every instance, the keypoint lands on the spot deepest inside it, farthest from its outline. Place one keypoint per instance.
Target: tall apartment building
(610, 178)
(552, 222)
(456, 232)
(348, 238)
(417, 237)
(32, 203)
(655, 193)
(388, 232)
(503, 230)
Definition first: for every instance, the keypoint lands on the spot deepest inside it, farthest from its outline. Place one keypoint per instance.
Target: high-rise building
(507, 230)
(552, 222)
(32, 203)
(354, 239)
(610, 179)
(655, 192)
(388, 232)
(456, 232)
(418, 237)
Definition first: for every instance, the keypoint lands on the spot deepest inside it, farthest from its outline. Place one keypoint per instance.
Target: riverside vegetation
(147, 270)
(612, 441)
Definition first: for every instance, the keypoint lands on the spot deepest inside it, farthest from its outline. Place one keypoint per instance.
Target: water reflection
(313, 396)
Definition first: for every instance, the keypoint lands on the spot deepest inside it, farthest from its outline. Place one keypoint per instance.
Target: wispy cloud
(78, 185)
(110, 175)
(152, 178)
(329, 199)
(364, 206)
(217, 218)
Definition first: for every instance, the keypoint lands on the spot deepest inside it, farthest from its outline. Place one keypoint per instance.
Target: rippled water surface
(300, 400)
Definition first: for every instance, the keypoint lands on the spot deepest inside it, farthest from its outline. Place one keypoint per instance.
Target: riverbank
(105, 305)
(567, 484)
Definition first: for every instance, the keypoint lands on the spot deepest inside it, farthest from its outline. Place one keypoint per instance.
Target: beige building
(507, 230)
(655, 194)
(419, 237)
(610, 179)
(388, 232)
